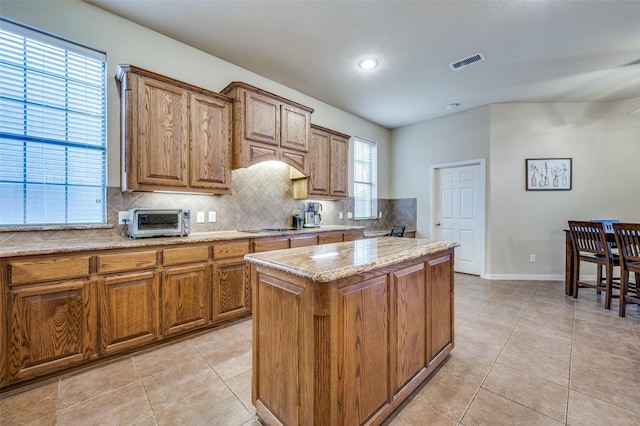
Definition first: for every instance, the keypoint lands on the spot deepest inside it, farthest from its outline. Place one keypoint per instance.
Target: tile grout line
(496, 361)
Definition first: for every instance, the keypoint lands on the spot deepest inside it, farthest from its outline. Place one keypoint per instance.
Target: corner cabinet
(175, 136)
(328, 162)
(268, 127)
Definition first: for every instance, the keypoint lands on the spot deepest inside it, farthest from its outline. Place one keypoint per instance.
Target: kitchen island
(344, 332)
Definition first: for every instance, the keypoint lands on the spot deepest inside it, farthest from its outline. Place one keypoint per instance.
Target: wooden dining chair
(628, 242)
(590, 245)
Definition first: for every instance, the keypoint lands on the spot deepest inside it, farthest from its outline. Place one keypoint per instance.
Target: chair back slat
(589, 237)
(628, 240)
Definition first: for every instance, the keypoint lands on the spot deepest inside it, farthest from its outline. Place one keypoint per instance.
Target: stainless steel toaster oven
(144, 223)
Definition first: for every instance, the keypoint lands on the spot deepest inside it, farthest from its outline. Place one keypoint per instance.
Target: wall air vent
(467, 61)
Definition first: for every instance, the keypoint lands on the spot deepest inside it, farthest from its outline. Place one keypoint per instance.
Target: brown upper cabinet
(268, 127)
(175, 136)
(328, 160)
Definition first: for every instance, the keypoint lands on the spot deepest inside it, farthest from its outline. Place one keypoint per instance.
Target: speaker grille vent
(465, 62)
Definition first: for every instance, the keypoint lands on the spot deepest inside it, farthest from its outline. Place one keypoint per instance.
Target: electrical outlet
(532, 258)
(122, 217)
(341, 215)
(213, 216)
(200, 217)
(380, 215)
(349, 215)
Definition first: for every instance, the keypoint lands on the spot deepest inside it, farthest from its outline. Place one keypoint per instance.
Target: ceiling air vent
(467, 61)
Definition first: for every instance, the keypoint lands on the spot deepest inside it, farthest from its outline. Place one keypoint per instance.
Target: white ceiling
(555, 50)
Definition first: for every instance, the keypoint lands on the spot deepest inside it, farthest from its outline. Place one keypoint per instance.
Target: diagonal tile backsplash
(262, 197)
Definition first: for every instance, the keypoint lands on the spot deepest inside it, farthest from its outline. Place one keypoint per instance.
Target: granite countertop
(70, 246)
(329, 262)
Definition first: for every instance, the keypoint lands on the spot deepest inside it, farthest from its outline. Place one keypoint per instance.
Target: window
(52, 130)
(364, 179)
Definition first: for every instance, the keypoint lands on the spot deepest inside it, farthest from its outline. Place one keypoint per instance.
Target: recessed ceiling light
(453, 105)
(368, 64)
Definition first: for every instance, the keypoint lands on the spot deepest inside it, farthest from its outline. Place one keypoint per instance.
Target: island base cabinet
(350, 351)
(49, 328)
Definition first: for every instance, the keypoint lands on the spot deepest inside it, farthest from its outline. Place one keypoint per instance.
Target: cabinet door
(339, 166)
(162, 134)
(262, 119)
(231, 295)
(319, 159)
(186, 298)
(410, 319)
(295, 128)
(210, 147)
(128, 310)
(49, 328)
(440, 305)
(364, 353)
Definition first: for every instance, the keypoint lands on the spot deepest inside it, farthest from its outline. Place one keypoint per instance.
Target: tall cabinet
(175, 136)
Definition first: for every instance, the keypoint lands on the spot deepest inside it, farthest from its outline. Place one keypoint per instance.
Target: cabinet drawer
(126, 261)
(330, 238)
(230, 249)
(189, 254)
(270, 244)
(304, 241)
(30, 271)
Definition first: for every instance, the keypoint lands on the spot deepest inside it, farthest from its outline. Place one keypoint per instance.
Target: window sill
(54, 227)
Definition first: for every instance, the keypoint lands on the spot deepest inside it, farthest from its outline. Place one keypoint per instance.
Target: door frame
(435, 191)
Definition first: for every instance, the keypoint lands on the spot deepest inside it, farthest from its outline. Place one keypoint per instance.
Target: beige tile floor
(525, 354)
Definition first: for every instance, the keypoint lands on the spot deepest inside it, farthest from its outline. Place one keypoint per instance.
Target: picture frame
(548, 174)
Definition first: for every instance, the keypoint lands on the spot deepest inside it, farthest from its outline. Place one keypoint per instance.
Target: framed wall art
(548, 174)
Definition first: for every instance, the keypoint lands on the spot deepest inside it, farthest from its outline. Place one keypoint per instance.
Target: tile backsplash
(262, 198)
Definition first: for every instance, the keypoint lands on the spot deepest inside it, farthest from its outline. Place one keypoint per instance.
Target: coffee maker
(312, 216)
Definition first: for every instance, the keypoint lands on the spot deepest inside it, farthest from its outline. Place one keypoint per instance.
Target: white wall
(129, 43)
(415, 148)
(602, 139)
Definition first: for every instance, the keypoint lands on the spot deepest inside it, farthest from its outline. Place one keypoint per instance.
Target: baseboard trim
(523, 277)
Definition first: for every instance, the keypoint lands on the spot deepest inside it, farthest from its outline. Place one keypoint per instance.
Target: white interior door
(459, 213)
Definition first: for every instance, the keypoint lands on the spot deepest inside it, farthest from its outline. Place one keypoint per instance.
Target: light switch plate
(349, 215)
(200, 217)
(212, 216)
(341, 215)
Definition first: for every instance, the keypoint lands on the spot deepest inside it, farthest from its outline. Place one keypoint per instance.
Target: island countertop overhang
(329, 262)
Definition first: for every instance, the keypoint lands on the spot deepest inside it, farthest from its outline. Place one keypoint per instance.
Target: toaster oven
(145, 223)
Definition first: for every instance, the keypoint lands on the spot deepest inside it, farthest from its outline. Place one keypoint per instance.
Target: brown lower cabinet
(61, 310)
(127, 310)
(49, 327)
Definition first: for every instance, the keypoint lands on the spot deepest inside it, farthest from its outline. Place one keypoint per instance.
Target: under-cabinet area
(64, 308)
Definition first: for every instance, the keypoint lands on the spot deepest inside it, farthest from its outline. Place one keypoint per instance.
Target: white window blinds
(364, 179)
(52, 130)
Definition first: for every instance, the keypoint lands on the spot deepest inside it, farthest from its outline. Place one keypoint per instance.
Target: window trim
(372, 183)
